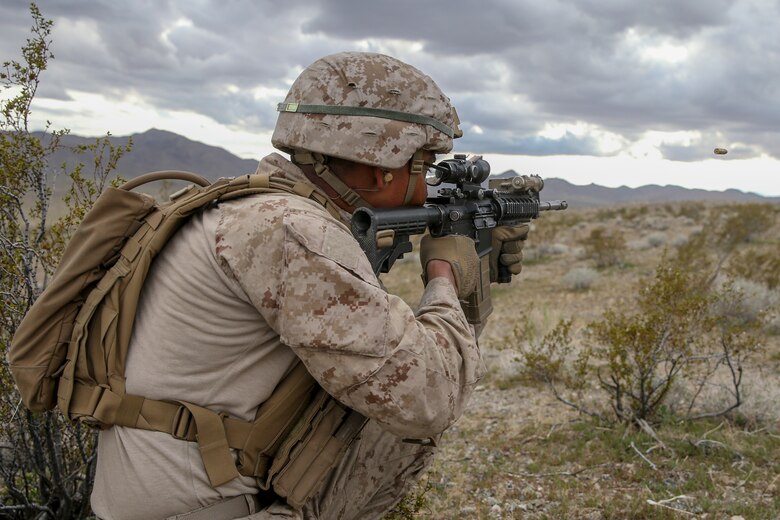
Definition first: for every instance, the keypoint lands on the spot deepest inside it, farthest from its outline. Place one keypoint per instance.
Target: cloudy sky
(605, 91)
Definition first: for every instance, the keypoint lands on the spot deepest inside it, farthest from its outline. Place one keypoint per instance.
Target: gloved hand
(459, 252)
(508, 242)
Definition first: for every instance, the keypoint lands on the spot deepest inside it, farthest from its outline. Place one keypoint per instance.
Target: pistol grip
(504, 275)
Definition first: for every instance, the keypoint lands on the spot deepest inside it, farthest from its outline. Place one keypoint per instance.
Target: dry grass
(519, 453)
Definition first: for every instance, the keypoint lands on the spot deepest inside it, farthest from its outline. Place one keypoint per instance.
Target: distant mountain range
(161, 150)
(595, 195)
(156, 150)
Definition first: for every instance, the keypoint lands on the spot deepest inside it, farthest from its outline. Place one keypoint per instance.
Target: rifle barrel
(553, 205)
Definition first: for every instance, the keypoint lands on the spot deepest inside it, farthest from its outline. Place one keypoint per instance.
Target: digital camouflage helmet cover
(367, 108)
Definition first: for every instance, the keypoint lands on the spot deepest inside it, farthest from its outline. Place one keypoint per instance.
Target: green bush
(743, 224)
(758, 266)
(46, 464)
(681, 332)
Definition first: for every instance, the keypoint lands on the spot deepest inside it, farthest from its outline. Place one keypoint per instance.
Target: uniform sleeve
(412, 373)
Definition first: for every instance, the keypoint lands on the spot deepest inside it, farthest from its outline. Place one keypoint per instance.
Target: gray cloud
(568, 144)
(511, 66)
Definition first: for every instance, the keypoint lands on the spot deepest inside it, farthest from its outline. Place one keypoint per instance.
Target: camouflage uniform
(235, 296)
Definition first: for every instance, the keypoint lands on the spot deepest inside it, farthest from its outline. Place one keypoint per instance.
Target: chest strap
(215, 433)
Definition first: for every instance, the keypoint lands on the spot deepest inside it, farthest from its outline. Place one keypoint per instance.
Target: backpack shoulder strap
(265, 183)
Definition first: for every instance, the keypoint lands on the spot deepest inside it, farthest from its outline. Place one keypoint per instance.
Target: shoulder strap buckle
(183, 425)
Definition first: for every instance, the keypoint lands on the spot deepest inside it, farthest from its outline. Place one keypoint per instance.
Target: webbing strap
(322, 170)
(80, 364)
(213, 445)
(263, 183)
(417, 169)
(214, 433)
(129, 409)
(148, 414)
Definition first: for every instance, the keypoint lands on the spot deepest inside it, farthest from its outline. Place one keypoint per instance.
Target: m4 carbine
(466, 208)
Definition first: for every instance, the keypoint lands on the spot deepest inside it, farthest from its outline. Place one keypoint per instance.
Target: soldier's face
(372, 184)
(380, 188)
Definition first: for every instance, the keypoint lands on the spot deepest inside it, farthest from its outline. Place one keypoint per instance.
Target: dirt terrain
(518, 452)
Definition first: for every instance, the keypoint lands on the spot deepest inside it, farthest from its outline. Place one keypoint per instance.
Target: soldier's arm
(367, 348)
(441, 269)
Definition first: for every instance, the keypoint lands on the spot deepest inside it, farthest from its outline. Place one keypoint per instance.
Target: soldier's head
(362, 125)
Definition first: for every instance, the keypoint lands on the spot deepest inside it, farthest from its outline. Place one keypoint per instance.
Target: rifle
(465, 209)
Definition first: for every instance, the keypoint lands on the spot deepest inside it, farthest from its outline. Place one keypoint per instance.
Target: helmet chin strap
(415, 172)
(319, 162)
(347, 194)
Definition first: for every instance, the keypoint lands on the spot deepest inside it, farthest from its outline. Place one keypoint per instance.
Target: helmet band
(395, 115)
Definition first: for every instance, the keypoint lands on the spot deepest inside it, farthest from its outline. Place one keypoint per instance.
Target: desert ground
(519, 452)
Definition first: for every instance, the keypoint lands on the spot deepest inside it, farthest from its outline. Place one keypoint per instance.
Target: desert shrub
(656, 239)
(548, 228)
(679, 241)
(695, 211)
(605, 248)
(541, 240)
(651, 241)
(759, 266)
(751, 303)
(46, 464)
(731, 228)
(741, 224)
(547, 358)
(645, 351)
(604, 215)
(544, 251)
(556, 249)
(695, 250)
(754, 300)
(683, 331)
(544, 230)
(633, 212)
(410, 506)
(772, 320)
(580, 278)
(655, 223)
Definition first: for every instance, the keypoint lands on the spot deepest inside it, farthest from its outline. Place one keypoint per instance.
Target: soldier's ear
(383, 176)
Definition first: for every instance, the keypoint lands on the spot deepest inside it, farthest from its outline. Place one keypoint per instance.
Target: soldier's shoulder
(266, 212)
(271, 203)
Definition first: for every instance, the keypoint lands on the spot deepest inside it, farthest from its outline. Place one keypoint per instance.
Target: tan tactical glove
(459, 252)
(508, 242)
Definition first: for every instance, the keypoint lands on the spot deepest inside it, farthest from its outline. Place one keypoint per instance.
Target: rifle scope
(458, 170)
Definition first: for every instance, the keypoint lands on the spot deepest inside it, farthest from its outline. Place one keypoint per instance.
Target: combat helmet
(367, 108)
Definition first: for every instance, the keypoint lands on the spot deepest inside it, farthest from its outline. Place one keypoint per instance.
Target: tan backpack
(73, 343)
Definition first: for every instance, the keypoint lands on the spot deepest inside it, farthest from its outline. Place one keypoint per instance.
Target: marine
(250, 287)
